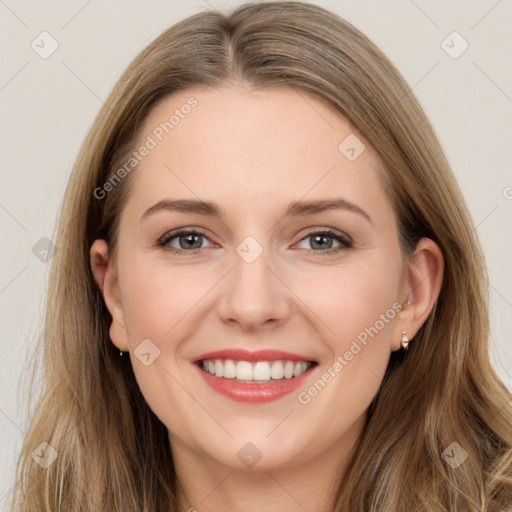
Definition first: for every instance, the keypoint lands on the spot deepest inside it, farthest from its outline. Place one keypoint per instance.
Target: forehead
(257, 144)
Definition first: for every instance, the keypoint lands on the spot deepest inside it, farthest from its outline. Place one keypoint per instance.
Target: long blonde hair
(113, 453)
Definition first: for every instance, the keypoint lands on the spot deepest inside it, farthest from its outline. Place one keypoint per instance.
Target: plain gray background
(48, 104)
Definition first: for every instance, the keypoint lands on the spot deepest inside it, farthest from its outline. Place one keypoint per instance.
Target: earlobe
(424, 276)
(106, 278)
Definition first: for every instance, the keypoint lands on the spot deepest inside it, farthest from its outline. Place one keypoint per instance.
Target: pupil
(322, 239)
(189, 240)
(319, 240)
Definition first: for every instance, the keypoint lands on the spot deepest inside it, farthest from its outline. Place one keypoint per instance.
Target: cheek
(160, 303)
(367, 310)
(157, 297)
(352, 300)
(359, 306)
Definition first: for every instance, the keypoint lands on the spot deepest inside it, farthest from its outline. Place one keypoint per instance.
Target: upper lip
(240, 354)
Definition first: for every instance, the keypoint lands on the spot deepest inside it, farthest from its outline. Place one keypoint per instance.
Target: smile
(254, 377)
(259, 371)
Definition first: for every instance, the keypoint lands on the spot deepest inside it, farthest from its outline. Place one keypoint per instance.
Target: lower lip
(255, 393)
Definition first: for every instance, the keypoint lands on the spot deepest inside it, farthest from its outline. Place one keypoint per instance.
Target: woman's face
(254, 172)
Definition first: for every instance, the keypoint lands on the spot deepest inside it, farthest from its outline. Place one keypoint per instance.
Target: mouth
(255, 372)
(254, 377)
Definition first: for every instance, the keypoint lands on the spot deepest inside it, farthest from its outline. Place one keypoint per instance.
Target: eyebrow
(211, 209)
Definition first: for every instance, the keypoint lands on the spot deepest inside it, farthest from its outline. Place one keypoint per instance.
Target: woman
(263, 219)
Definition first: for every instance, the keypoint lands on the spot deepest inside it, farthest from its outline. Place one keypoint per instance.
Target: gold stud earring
(405, 340)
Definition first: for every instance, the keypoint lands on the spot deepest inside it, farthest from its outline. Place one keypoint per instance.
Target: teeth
(288, 369)
(277, 371)
(258, 371)
(229, 370)
(244, 370)
(219, 369)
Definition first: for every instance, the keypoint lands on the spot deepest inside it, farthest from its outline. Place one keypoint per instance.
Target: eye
(186, 240)
(322, 241)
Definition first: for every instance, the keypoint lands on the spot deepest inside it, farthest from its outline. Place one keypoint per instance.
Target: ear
(420, 289)
(105, 276)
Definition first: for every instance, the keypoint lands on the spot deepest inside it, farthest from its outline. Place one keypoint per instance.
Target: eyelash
(345, 241)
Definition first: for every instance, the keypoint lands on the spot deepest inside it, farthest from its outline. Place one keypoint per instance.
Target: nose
(254, 296)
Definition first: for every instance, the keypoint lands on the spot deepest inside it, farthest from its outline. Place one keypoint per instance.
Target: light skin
(253, 152)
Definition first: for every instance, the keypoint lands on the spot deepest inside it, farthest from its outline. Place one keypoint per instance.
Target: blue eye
(192, 241)
(187, 239)
(323, 240)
